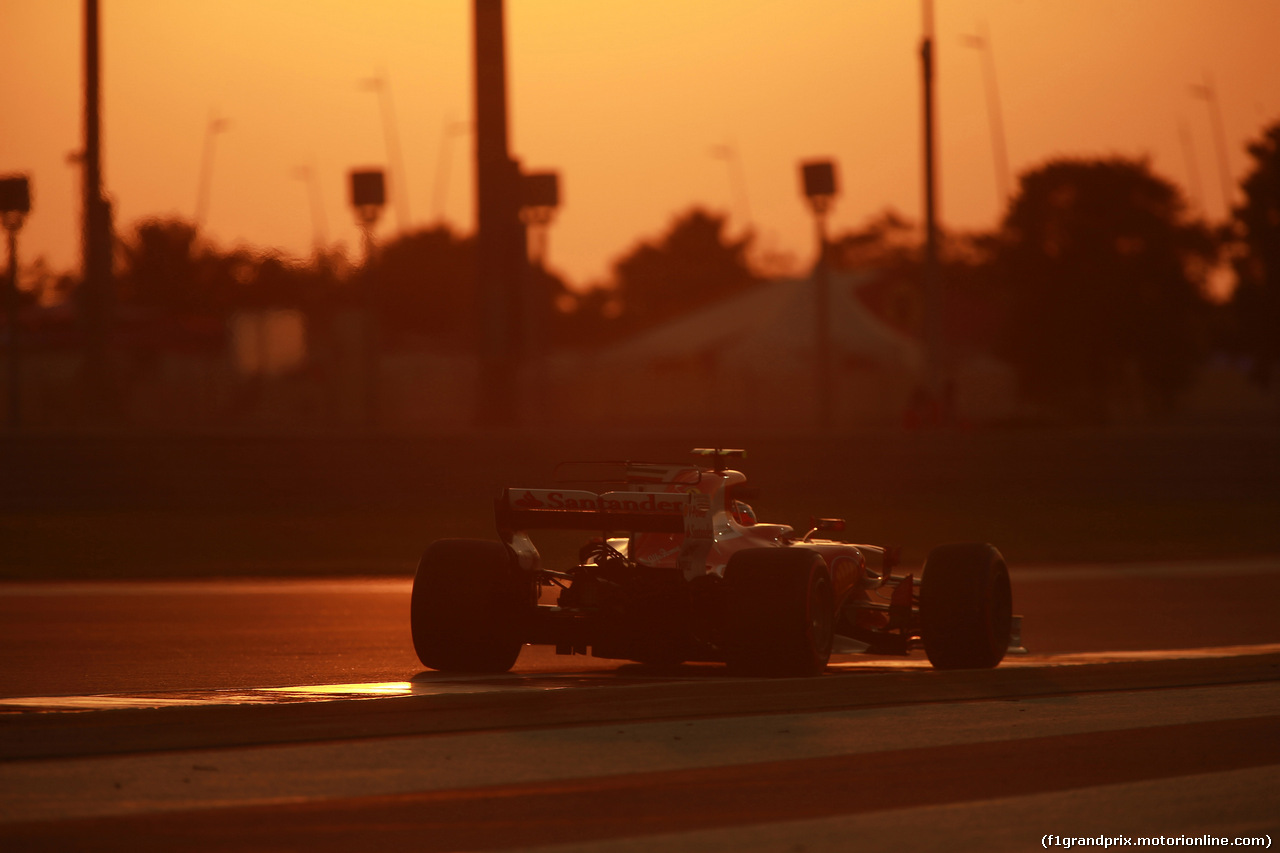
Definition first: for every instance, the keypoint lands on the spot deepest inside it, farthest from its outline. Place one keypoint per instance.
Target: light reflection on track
(429, 684)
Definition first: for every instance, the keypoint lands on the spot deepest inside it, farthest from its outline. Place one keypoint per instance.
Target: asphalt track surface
(286, 715)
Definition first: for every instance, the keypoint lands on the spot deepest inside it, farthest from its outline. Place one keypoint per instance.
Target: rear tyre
(966, 606)
(468, 602)
(779, 612)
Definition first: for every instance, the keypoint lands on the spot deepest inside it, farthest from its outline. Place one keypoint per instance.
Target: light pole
(15, 204)
(391, 138)
(818, 179)
(982, 42)
(215, 126)
(934, 391)
(540, 196)
(96, 232)
(368, 198)
(539, 199)
(440, 192)
(1209, 93)
(1193, 172)
(729, 153)
(319, 225)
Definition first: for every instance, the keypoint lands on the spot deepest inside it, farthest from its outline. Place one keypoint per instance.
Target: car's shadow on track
(637, 673)
(625, 673)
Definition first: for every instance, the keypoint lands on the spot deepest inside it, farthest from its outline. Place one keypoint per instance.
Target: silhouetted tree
(887, 241)
(890, 249)
(693, 264)
(279, 281)
(1105, 278)
(166, 266)
(1256, 300)
(554, 312)
(425, 283)
(593, 320)
(40, 284)
(587, 319)
(887, 248)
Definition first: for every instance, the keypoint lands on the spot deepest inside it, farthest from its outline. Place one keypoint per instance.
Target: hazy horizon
(644, 109)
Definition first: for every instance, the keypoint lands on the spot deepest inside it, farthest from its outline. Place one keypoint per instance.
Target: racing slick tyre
(467, 604)
(966, 606)
(779, 616)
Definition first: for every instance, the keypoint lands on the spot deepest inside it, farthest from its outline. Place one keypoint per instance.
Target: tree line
(1098, 275)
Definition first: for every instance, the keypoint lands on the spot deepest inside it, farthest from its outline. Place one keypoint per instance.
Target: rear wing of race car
(636, 473)
(572, 509)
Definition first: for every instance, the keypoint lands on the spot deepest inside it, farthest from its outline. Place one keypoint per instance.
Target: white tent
(752, 360)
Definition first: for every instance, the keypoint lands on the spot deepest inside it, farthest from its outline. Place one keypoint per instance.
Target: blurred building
(747, 361)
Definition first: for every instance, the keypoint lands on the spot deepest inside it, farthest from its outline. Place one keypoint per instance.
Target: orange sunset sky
(645, 107)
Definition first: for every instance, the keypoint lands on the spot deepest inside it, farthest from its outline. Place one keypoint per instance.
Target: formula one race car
(680, 570)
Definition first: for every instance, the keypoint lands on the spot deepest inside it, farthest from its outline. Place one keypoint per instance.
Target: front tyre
(468, 602)
(966, 606)
(779, 612)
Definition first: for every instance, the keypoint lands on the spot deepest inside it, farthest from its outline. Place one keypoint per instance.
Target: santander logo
(529, 502)
(641, 502)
